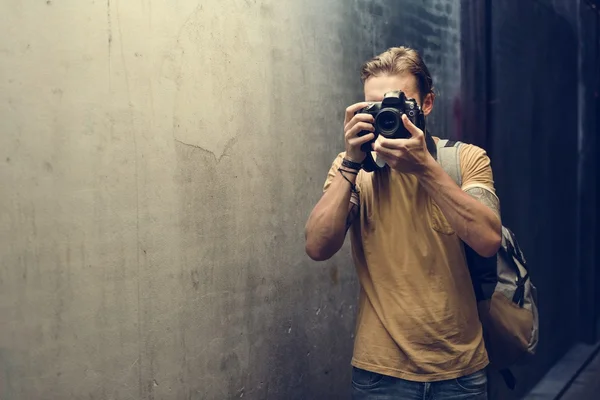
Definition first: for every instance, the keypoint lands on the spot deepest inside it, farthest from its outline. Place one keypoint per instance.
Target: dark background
(530, 98)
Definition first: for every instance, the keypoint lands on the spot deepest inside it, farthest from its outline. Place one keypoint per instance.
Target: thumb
(410, 127)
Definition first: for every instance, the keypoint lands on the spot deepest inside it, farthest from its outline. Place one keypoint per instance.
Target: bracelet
(351, 164)
(352, 185)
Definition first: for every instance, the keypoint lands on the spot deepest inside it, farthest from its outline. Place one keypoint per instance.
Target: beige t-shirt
(417, 315)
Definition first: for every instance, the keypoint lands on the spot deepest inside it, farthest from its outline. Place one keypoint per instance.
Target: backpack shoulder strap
(448, 157)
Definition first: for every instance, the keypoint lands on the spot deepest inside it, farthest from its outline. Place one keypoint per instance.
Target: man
(418, 335)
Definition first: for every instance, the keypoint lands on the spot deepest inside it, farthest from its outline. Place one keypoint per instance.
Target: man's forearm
(329, 221)
(476, 223)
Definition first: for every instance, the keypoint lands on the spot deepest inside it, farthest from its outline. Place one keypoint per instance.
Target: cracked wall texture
(158, 162)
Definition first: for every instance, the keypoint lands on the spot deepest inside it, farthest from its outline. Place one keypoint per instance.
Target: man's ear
(428, 103)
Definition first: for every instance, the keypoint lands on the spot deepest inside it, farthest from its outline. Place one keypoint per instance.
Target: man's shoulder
(471, 148)
(470, 153)
(463, 146)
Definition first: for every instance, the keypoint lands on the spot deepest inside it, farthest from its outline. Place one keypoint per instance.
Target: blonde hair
(398, 61)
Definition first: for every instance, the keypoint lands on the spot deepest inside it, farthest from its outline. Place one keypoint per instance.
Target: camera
(388, 117)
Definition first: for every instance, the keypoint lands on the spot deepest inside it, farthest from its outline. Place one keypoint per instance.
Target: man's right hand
(353, 125)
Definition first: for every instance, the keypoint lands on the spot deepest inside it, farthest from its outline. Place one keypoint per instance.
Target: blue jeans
(368, 385)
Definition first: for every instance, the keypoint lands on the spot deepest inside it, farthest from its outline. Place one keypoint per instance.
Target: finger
(363, 117)
(396, 144)
(359, 140)
(353, 109)
(414, 131)
(387, 154)
(359, 127)
(384, 151)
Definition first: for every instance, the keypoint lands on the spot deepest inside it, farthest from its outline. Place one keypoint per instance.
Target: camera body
(388, 117)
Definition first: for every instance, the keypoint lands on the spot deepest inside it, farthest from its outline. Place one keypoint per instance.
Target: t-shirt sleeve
(476, 168)
(337, 162)
(333, 171)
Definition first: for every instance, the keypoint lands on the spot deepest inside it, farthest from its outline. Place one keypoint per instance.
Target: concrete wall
(158, 162)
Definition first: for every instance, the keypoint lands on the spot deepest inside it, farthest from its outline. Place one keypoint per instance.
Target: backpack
(506, 297)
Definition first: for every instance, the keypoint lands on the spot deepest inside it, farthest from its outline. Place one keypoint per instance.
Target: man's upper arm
(477, 177)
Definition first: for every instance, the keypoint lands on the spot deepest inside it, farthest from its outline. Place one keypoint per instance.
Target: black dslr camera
(388, 120)
(388, 116)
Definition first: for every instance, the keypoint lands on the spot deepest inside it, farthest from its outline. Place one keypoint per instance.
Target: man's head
(398, 68)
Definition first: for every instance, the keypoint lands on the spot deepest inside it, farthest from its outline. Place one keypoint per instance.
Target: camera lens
(387, 122)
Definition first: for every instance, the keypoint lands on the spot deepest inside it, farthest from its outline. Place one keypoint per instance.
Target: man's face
(375, 87)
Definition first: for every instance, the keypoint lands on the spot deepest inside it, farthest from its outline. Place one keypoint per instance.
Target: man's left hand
(405, 155)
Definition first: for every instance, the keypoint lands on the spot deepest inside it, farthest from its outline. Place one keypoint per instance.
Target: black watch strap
(351, 164)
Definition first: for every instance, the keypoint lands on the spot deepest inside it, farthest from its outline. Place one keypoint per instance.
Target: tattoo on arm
(352, 214)
(485, 197)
